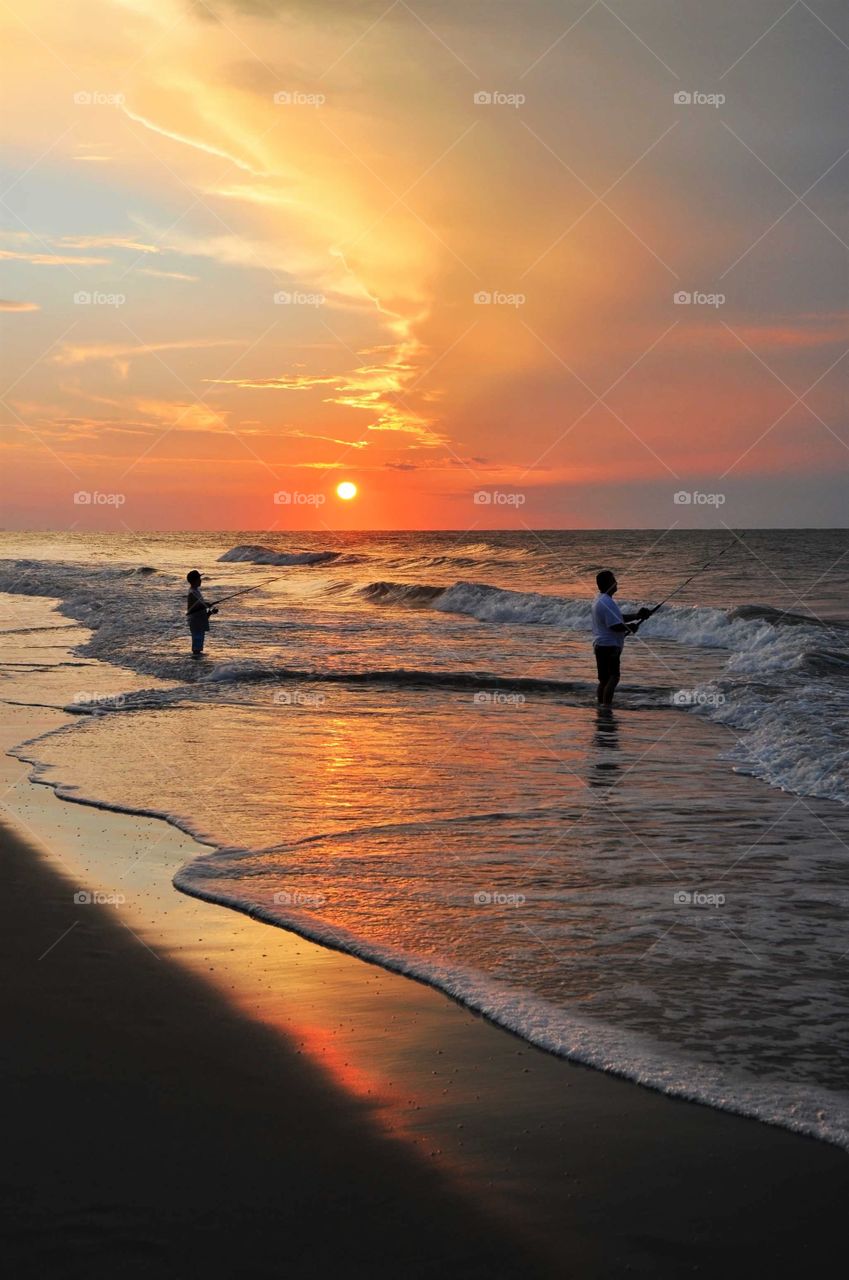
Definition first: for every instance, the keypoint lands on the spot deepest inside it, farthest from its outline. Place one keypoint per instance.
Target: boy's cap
(193, 576)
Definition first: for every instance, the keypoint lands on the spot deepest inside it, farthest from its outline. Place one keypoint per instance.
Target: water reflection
(606, 765)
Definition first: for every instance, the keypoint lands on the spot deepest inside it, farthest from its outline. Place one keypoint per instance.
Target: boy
(197, 613)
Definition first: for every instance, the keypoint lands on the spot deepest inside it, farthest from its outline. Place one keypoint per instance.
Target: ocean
(392, 747)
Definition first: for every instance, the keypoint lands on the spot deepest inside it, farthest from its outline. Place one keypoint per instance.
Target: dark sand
(152, 1130)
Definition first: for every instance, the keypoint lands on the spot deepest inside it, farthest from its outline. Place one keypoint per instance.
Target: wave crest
(256, 553)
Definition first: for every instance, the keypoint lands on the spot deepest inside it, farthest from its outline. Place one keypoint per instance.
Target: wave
(32, 631)
(807, 1109)
(478, 556)
(810, 1109)
(693, 625)
(814, 1110)
(415, 594)
(783, 691)
(484, 685)
(760, 638)
(781, 617)
(257, 554)
(781, 669)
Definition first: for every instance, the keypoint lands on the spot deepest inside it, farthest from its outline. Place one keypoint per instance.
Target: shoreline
(810, 1111)
(157, 1131)
(574, 1164)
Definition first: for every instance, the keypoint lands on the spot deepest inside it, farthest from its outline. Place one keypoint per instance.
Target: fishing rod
(707, 565)
(245, 590)
(213, 604)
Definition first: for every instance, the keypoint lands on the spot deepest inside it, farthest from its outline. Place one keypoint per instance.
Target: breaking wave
(782, 669)
(258, 554)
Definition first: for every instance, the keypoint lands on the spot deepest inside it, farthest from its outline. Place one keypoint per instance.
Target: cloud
(51, 259)
(798, 332)
(378, 198)
(321, 466)
(166, 275)
(347, 444)
(184, 414)
(138, 415)
(104, 242)
(92, 352)
(207, 147)
(298, 382)
(375, 389)
(18, 306)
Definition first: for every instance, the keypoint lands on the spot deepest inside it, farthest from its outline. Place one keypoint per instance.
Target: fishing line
(681, 587)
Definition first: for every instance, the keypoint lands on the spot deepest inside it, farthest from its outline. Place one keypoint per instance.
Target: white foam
(793, 729)
(809, 1109)
(707, 627)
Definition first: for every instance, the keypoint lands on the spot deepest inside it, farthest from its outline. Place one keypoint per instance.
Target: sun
(346, 490)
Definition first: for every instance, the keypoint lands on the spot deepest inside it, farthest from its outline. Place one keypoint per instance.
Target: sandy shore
(192, 1092)
(154, 1131)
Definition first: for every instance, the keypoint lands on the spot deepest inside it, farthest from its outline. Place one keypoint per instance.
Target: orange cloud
(51, 259)
(92, 352)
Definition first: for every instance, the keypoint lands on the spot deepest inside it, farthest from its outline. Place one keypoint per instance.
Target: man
(197, 613)
(610, 628)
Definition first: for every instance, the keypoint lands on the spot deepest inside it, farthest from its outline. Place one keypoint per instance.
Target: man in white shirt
(610, 627)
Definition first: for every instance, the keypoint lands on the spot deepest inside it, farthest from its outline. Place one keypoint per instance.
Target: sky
(529, 264)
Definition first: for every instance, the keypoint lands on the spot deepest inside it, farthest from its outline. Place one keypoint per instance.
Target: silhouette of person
(610, 627)
(198, 612)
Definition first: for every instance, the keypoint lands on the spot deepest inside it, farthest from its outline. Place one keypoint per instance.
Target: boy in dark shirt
(197, 613)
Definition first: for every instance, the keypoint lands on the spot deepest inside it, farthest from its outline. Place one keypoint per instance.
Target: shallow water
(414, 771)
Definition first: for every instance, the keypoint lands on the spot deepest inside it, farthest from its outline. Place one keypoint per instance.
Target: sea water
(392, 747)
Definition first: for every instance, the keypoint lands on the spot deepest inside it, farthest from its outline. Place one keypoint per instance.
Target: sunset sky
(243, 247)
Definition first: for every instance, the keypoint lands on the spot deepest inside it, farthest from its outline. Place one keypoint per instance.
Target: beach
(391, 748)
(424, 639)
(193, 1090)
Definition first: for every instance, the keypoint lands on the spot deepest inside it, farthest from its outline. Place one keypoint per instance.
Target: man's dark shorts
(607, 657)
